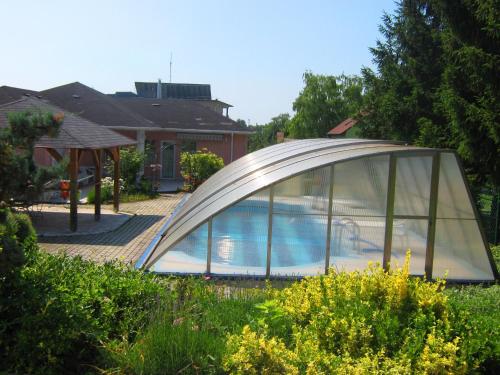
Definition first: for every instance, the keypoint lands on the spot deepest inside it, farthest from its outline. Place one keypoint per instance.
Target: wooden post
(116, 182)
(73, 189)
(96, 155)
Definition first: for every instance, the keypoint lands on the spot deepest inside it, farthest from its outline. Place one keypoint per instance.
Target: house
(178, 119)
(344, 129)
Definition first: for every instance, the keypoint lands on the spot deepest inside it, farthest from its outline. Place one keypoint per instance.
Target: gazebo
(75, 137)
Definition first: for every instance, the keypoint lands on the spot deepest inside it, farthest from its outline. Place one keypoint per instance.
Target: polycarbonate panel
(187, 256)
(360, 186)
(453, 199)
(298, 244)
(413, 185)
(300, 216)
(239, 237)
(459, 251)
(355, 241)
(409, 234)
(306, 193)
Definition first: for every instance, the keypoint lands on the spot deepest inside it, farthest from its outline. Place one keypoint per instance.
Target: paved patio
(53, 220)
(125, 243)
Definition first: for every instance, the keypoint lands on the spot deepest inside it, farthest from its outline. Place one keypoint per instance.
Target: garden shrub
(495, 250)
(360, 322)
(199, 166)
(61, 309)
(131, 162)
(476, 320)
(16, 232)
(144, 191)
(107, 184)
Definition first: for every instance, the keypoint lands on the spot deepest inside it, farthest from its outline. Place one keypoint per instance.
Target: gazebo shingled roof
(75, 132)
(77, 135)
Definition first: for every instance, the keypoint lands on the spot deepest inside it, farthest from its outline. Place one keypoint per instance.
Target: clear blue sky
(253, 53)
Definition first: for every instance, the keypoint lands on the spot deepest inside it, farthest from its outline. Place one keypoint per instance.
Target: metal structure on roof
(173, 90)
(370, 191)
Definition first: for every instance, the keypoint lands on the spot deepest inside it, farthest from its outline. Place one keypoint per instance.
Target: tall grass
(191, 337)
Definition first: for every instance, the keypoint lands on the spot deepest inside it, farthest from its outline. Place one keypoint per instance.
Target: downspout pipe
(232, 146)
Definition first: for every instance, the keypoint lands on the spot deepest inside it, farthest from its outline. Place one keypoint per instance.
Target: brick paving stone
(127, 242)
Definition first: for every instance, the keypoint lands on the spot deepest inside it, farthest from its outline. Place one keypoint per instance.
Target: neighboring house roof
(181, 114)
(75, 131)
(216, 101)
(343, 127)
(9, 94)
(174, 90)
(94, 106)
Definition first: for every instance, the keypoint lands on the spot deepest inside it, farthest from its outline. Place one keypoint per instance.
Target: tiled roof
(181, 114)
(94, 106)
(75, 132)
(9, 94)
(343, 126)
(137, 112)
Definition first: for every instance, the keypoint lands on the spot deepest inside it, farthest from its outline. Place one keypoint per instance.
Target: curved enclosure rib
(303, 207)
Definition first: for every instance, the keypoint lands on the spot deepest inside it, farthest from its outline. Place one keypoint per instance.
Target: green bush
(199, 166)
(131, 162)
(361, 322)
(61, 310)
(476, 320)
(107, 186)
(495, 250)
(144, 191)
(16, 233)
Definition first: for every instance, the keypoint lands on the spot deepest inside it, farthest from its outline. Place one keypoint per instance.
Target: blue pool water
(239, 238)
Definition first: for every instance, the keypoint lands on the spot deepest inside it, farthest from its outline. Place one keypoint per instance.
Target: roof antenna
(170, 67)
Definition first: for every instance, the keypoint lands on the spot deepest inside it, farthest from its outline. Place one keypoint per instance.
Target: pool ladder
(349, 229)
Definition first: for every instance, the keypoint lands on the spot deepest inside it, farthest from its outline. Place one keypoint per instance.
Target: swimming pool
(298, 245)
(297, 209)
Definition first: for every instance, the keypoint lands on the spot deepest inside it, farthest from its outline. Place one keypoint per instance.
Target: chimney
(280, 137)
(158, 89)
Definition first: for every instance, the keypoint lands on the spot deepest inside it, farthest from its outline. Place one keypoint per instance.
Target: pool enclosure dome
(303, 207)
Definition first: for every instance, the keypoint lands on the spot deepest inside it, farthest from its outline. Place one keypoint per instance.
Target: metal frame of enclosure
(325, 162)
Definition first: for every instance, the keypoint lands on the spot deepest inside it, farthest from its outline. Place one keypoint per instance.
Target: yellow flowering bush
(351, 323)
(253, 353)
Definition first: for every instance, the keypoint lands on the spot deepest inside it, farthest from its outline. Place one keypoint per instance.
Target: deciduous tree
(323, 103)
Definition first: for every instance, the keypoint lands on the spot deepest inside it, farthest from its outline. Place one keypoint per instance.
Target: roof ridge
(14, 101)
(111, 101)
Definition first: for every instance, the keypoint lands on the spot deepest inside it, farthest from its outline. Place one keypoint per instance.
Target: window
(188, 146)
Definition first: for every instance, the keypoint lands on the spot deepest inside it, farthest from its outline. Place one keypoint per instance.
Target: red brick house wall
(220, 148)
